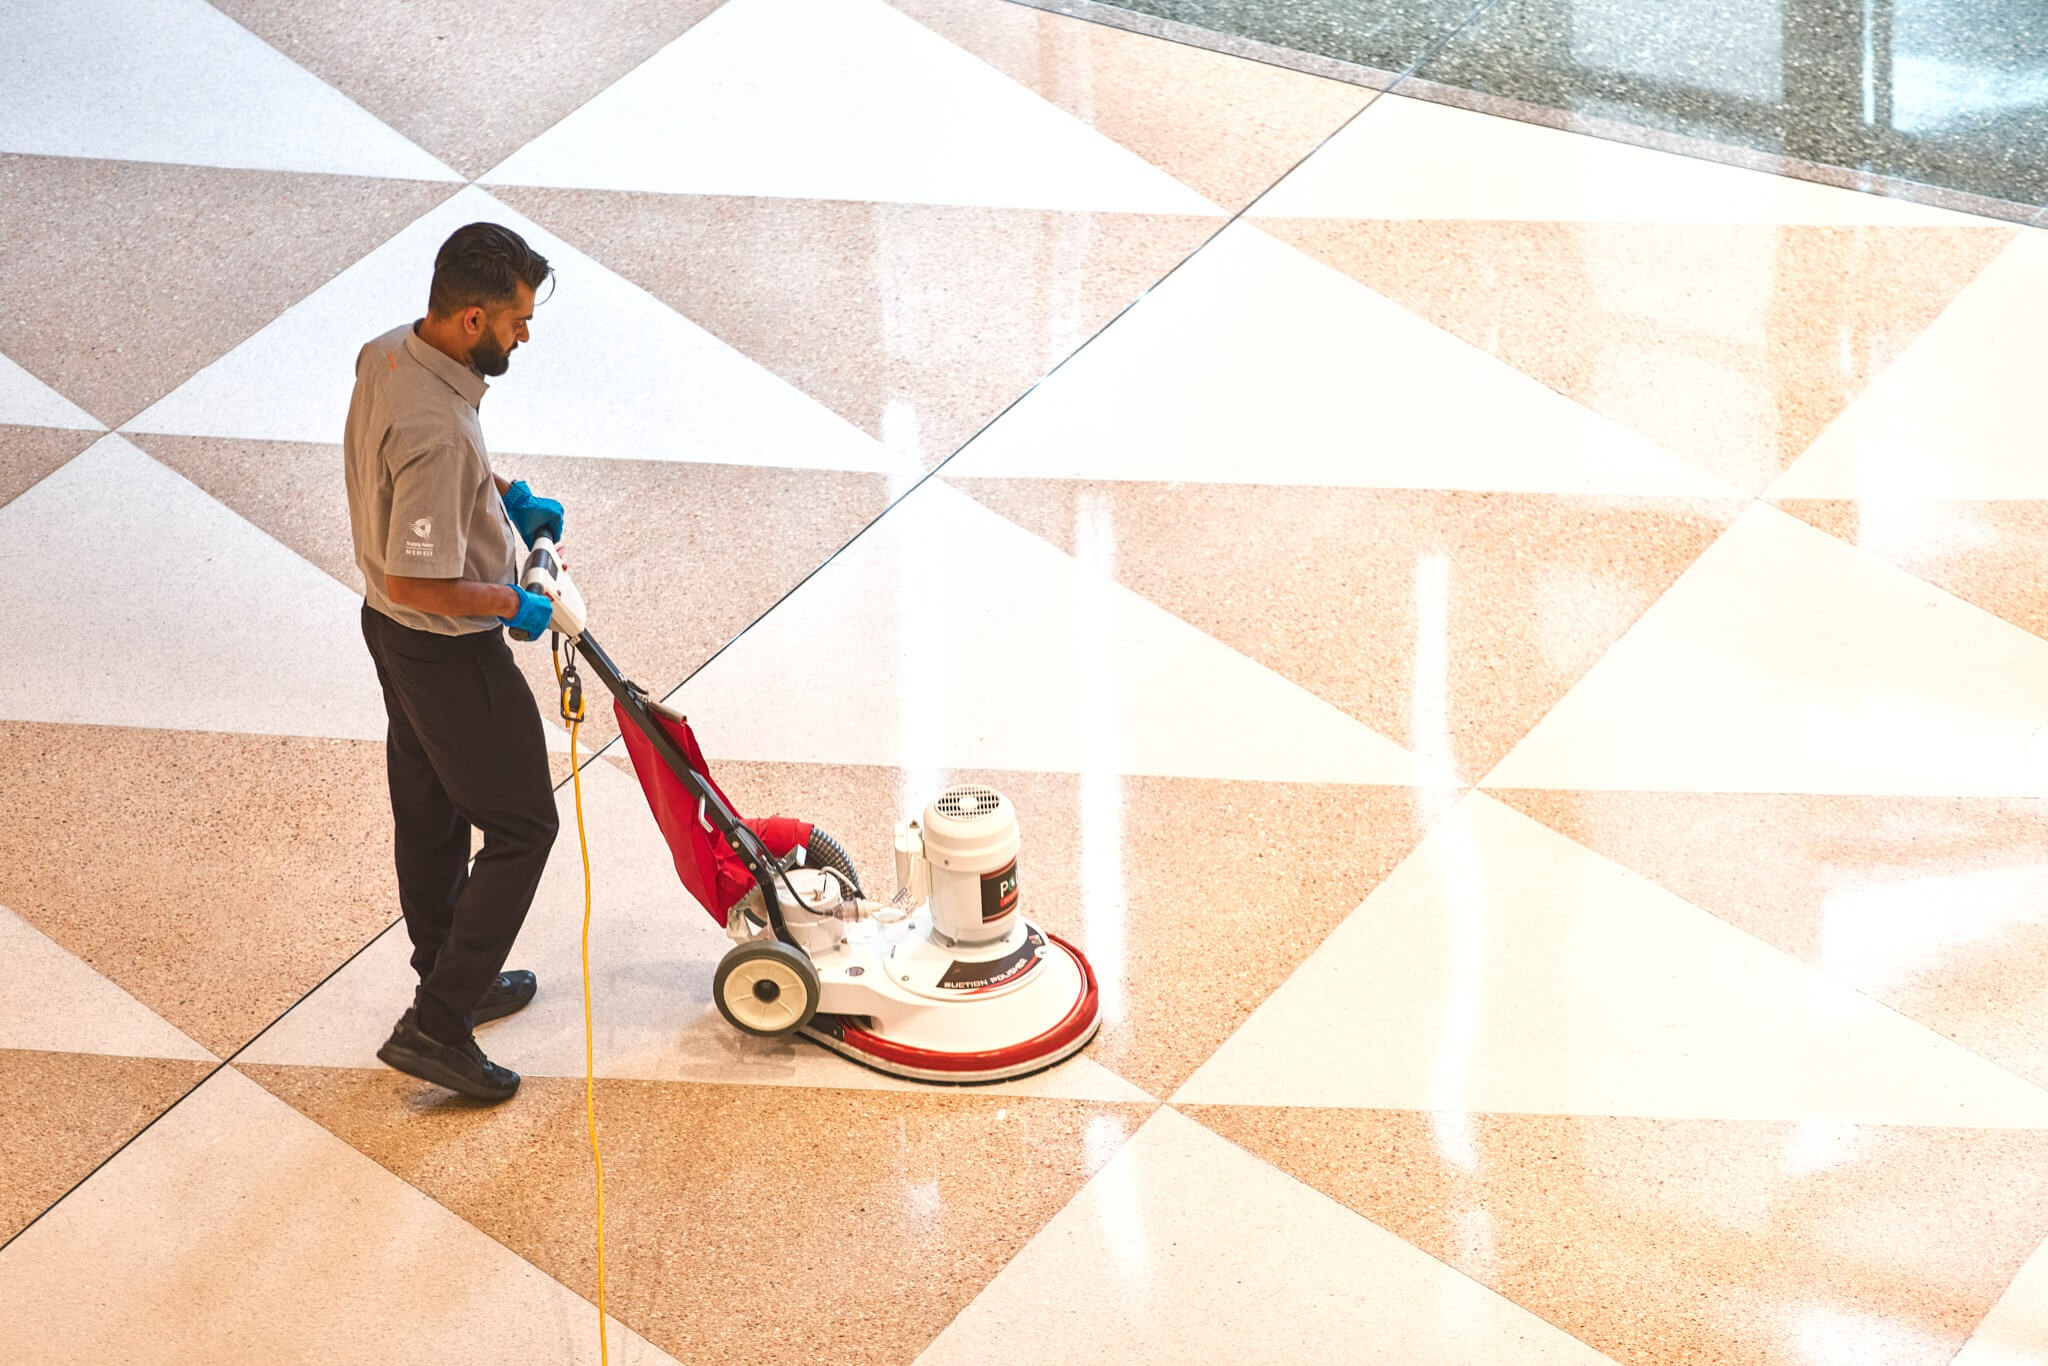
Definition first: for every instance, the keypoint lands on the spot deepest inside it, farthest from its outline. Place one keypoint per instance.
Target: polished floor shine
(1521, 656)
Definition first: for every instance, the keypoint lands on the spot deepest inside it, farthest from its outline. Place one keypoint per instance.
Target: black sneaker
(508, 995)
(459, 1066)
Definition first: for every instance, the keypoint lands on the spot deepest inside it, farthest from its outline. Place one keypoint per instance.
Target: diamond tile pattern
(1521, 660)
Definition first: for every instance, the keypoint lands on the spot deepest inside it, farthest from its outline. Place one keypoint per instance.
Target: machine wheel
(825, 852)
(766, 987)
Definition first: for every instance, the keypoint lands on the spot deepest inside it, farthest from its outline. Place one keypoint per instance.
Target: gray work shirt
(421, 498)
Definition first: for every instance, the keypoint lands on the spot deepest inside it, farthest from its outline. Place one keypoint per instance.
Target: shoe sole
(484, 1017)
(426, 1069)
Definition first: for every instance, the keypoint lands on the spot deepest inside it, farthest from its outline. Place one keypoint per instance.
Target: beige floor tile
(126, 278)
(214, 877)
(1692, 1241)
(290, 489)
(1447, 621)
(421, 67)
(1733, 345)
(1228, 126)
(1255, 1270)
(237, 1232)
(29, 454)
(51, 1000)
(62, 1114)
(742, 1224)
(916, 323)
(1192, 899)
(673, 559)
(1937, 906)
(1986, 553)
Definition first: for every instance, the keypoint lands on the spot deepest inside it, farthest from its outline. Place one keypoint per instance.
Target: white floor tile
(948, 637)
(1408, 158)
(1787, 661)
(1505, 968)
(157, 606)
(2015, 1332)
(1258, 1269)
(611, 370)
(1960, 414)
(838, 99)
(201, 1240)
(653, 951)
(178, 81)
(1253, 363)
(51, 999)
(28, 402)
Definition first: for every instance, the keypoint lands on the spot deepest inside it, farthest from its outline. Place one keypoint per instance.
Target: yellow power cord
(574, 716)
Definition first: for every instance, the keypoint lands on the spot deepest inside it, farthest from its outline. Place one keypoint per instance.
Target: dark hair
(480, 266)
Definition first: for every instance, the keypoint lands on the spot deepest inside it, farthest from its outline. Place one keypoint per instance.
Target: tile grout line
(1752, 500)
(221, 1065)
(923, 479)
(1314, 1189)
(1229, 222)
(1691, 146)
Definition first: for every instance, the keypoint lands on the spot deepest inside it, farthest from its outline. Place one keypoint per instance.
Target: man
(434, 538)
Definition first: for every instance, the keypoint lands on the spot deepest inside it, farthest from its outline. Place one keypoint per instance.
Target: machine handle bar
(737, 833)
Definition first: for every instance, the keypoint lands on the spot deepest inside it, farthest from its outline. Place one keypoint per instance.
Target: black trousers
(464, 750)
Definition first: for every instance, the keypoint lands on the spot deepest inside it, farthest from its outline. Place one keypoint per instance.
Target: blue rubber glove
(530, 622)
(533, 515)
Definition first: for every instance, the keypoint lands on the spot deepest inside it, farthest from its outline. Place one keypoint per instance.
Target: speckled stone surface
(125, 278)
(1990, 554)
(1192, 899)
(883, 1214)
(1213, 40)
(675, 559)
(237, 1232)
(1942, 94)
(1386, 35)
(1227, 126)
(1732, 345)
(1710, 1242)
(916, 323)
(471, 93)
(1705, 148)
(28, 454)
(62, 1114)
(215, 877)
(669, 556)
(1932, 905)
(290, 489)
(1537, 587)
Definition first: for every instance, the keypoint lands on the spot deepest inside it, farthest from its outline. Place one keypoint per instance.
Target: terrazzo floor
(1520, 655)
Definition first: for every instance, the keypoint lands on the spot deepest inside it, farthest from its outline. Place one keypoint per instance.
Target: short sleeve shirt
(422, 501)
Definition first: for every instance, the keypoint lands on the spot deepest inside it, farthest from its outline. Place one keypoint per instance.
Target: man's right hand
(530, 622)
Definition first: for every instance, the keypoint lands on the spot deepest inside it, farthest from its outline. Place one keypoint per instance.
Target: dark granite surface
(1383, 35)
(1946, 93)
(1952, 93)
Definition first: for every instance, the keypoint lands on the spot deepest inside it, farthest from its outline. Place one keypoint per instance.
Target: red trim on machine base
(993, 1064)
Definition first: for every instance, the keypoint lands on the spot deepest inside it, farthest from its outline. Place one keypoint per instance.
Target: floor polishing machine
(946, 981)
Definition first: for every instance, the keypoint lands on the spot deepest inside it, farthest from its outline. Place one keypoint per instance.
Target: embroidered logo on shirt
(423, 528)
(421, 549)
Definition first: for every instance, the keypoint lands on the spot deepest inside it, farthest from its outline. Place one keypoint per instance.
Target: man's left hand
(534, 516)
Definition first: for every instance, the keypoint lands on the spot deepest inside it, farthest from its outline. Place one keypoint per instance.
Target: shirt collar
(463, 379)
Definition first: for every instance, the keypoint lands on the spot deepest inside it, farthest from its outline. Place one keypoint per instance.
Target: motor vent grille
(968, 803)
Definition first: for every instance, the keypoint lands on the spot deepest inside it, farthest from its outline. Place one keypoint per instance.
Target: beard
(489, 358)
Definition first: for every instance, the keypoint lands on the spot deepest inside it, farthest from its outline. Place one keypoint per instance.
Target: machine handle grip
(543, 572)
(541, 559)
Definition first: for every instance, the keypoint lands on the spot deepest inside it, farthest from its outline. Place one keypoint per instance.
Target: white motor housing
(968, 845)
